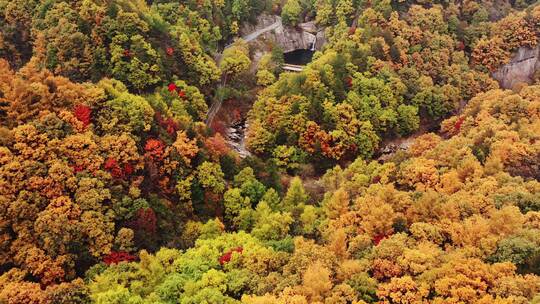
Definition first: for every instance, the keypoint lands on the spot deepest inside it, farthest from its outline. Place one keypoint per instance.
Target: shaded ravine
(236, 131)
(216, 104)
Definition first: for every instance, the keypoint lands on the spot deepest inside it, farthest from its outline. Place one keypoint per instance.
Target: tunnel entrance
(298, 57)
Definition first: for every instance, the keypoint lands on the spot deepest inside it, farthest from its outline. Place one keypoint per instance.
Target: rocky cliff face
(304, 36)
(520, 69)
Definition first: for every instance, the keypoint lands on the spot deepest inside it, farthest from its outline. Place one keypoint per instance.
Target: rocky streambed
(236, 137)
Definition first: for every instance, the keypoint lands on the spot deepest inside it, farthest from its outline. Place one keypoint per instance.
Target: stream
(236, 137)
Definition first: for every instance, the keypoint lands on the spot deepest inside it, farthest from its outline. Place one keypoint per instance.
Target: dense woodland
(113, 189)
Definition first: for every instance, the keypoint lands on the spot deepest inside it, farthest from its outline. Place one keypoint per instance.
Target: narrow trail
(256, 34)
(214, 108)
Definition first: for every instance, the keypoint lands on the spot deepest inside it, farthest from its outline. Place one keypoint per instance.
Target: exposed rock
(321, 40)
(308, 27)
(304, 36)
(263, 21)
(291, 39)
(389, 150)
(520, 69)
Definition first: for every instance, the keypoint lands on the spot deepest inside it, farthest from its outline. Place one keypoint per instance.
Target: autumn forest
(172, 152)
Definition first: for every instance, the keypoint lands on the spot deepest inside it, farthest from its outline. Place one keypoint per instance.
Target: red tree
(77, 168)
(155, 149)
(459, 122)
(83, 114)
(171, 126)
(217, 146)
(348, 81)
(116, 257)
(168, 124)
(128, 169)
(219, 127)
(111, 165)
(116, 170)
(145, 220)
(225, 258)
(172, 87)
(378, 238)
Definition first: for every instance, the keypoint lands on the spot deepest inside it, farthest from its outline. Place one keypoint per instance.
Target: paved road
(254, 35)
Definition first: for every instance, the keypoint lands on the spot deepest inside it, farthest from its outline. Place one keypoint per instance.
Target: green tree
(270, 225)
(265, 77)
(211, 177)
(288, 157)
(235, 59)
(234, 202)
(126, 113)
(271, 197)
(134, 61)
(516, 249)
(407, 120)
(291, 12)
(296, 195)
